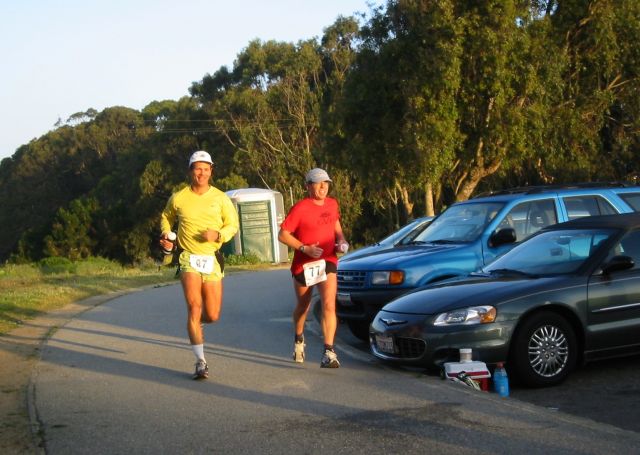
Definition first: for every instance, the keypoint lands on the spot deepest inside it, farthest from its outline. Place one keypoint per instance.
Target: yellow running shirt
(195, 213)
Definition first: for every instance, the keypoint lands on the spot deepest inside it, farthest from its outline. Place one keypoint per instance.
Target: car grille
(410, 348)
(351, 279)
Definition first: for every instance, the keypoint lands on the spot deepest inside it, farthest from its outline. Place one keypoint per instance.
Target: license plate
(385, 344)
(344, 298)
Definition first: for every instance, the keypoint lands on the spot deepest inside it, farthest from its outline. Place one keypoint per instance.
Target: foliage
(249, 258)
(51, 265)
(27, 290)
(71, 232)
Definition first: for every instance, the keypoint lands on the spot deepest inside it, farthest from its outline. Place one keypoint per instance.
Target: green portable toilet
(260, 212)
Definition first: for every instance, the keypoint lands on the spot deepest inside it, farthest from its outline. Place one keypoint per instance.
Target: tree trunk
(429, 199)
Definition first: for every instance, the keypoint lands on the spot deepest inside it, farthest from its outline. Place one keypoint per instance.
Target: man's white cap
(200, 155)
(317, 175)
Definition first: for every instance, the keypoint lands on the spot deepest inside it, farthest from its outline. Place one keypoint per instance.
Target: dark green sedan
(568, 295)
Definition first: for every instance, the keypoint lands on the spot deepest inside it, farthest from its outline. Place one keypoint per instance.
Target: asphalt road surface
(117, 379)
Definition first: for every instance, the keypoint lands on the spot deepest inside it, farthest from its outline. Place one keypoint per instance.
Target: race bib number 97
(315, 272)
(202, 263)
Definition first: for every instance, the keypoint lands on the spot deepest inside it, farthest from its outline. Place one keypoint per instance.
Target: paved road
(117, 380)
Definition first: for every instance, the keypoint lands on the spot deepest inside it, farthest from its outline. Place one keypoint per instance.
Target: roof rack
(534, 189)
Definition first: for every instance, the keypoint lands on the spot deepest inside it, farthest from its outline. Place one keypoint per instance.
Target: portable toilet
(260, 212)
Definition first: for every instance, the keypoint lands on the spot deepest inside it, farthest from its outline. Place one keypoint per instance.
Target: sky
(61, 57)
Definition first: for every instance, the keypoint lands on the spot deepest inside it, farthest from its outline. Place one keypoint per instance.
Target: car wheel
(360, 329)
(544, 350)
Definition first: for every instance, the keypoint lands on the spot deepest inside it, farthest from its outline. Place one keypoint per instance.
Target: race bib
(202, 263)
(315, 272)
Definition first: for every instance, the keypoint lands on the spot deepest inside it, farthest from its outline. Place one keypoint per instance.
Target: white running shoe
(329, 360)
(298, 351)
(202, 370)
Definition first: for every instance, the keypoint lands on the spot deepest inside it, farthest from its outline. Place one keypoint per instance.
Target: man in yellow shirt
(206, 218)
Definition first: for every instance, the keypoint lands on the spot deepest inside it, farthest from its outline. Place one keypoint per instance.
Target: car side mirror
(502, 237)
(618, 263)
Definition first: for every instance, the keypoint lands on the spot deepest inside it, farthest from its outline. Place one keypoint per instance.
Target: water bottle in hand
(171, 237)
(342, 247)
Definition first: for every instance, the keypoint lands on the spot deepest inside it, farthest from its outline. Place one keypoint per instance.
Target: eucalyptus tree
(268, 110)
(399, 113)
(596, 117)
(338, 51)
(439, 99)
(500, 86)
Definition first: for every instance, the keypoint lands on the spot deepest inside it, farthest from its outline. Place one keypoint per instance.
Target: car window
(460, 223)
(529, 217)
(414, 232)
(579, 206)
(552, 252)
(400, 233)
(629, 245)
(633, 199)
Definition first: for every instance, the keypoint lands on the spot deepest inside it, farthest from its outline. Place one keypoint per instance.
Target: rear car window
(633, 199)
(579, 206)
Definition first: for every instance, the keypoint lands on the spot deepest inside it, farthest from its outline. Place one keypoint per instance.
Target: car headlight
(390, 277)
(467, 316)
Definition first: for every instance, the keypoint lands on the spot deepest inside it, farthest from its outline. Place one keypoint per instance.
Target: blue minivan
(464, 238)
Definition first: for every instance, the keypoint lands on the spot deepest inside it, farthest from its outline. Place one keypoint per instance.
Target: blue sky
(61, 57)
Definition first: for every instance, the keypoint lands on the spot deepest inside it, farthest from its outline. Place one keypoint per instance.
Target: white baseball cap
(200, 155)
(317, 175)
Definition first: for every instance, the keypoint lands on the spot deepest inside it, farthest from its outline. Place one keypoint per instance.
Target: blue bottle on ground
(500, 380)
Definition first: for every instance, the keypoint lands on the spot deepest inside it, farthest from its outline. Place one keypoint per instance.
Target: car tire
(544, 350)
(360, 329)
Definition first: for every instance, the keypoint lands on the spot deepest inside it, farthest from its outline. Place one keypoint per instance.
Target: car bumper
(412, 340)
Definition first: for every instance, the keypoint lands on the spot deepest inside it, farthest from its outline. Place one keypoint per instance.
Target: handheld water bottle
(171, 236)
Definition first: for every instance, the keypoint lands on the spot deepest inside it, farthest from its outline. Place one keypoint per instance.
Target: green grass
(27, 290)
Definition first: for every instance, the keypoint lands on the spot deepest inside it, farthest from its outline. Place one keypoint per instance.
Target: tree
(399, 113)
(594, 130)
(72, 234)
(268, 110)
(498, 85)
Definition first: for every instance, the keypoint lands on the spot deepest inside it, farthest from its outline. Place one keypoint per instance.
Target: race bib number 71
(315, 272)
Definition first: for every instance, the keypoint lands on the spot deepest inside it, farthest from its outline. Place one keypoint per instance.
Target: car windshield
(403, 232)
(551, 253)
(460, 223)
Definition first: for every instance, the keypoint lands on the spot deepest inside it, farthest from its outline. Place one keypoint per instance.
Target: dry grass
(32, 289)
(28, 290)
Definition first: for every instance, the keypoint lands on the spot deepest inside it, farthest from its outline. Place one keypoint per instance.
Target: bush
(98, 265)
(56, 264)
(242, 259)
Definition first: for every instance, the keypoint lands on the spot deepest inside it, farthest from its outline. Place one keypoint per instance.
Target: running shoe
(202, 370)
(329, 359)
(298, 351)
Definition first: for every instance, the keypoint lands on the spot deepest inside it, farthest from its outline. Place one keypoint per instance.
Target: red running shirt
(311, 223)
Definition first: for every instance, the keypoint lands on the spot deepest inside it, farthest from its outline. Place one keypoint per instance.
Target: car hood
(365, 251)
(394, 256)
(463, 292)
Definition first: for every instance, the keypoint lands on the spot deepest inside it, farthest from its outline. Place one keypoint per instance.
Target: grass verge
(28, 290)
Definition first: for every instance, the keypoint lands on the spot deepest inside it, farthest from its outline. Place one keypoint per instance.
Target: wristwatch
(301, 248)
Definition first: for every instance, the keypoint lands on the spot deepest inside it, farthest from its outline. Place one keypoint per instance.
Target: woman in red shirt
(312, 228)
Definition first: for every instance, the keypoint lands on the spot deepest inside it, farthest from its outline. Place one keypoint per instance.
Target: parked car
(402, 236)
(464, 238)
(567, 295)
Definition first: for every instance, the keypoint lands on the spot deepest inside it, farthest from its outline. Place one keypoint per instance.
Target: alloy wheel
(548, 351)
